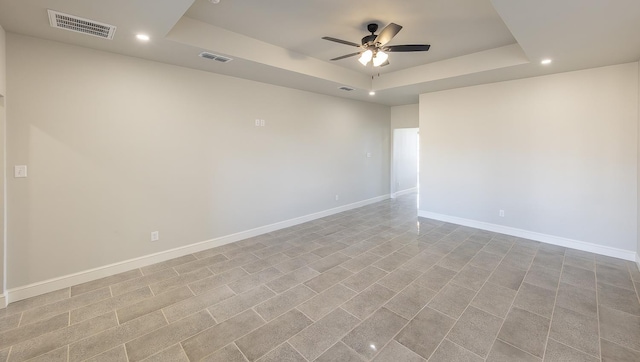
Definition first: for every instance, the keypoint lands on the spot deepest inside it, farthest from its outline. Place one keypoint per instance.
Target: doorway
(405, 161)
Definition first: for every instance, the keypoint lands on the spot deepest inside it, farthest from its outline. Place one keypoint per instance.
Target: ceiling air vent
(80, 25)
(345, 88)
(216, 57)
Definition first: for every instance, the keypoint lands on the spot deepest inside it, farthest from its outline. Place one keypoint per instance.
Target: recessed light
(142, 37)
(545, 61)
(214, 1)
(372, 93)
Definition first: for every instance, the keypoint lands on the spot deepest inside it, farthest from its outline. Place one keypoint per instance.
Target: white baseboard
(532, 235)
(3, 301)
(638, 260)
(32, 290)
(404, 192)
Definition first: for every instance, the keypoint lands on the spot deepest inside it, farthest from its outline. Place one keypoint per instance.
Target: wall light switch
(257, 122)
(368, 154)
(262, 123)
(20, 171)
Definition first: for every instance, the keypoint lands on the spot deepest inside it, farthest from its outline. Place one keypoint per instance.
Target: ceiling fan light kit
(380, 58)
(365, 58)
(373, 47)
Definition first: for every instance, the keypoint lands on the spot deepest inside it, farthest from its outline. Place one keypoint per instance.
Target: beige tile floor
(374, 283)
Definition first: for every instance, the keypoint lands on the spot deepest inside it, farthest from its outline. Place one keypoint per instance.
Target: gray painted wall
(558, 153)
(407, 116)
(3, 93)
(118, 147)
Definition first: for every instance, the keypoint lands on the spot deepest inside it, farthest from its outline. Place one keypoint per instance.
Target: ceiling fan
(373, 46)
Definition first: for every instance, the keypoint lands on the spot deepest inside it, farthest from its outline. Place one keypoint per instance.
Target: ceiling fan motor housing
(369, 40)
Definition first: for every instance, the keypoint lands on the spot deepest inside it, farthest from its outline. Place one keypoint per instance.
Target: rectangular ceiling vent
(216, 57)
(345, 88)
(80, 25)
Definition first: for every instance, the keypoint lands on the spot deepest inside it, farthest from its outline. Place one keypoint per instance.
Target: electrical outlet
(257, 122)
(501, 213)
(155, 235)
(262, 123)
(337, 197)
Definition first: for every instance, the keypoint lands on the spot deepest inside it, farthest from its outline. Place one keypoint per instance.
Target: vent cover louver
(215, 57)
(80, 25)
(345, 88)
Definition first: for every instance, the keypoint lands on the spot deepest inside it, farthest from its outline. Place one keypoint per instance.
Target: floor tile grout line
(514, 297)
(126, 353)
(635, 282)
(68, 344)
(553, 311)
(574, 348)
(278, 346)
(463, 347)
(38, 306)
(595, 275)
(261, 317)
(613, 285)
(103, 300)
(235, 340)
(409, 321)
(360, 320)
(349, 347)
(375, 282)
(65, 310)
(475, 295)
(155, 354)
(421, 309)
(295, 349)
(20, 320)
(234, 343)
(165, 317)
(618, 344)
(518, 348)
(151, 331)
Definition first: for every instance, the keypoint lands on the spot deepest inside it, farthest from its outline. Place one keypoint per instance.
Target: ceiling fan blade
(388, 33)
(386, 62)
(346, 56)
(407, 48)
(341, 41)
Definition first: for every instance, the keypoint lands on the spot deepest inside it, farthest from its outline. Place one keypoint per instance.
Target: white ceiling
(279, 41)
(453, 27)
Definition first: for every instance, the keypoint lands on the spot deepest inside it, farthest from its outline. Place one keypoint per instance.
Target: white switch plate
(501, 213)
(20, 171)
(368, 154)
(155, 236)
(257, 122)
(262, 123)
(337, 197)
